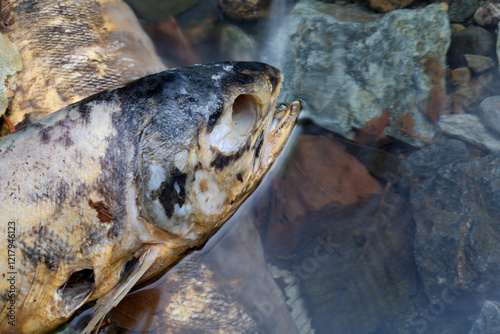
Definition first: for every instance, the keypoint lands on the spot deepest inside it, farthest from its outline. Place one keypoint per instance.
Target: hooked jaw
(281, 127)
(262, 133)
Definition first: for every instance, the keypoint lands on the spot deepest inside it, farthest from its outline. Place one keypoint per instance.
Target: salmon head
(117, 187)
(220, 143)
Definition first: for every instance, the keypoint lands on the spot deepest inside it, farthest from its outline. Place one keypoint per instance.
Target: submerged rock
(159, 10)
(471, 40)
(460, 76)
(348, 66)
(355, 267)
(489, 113)
(456, 214)
(469, 128)
(488, 321)
(478, 63)
(420, 166)
(245, 9)
(461, 10)
(468, 96)
(237, 44)
(488, 14)
(384, 6)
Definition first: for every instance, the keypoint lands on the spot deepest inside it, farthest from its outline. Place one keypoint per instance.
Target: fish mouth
(281, 126)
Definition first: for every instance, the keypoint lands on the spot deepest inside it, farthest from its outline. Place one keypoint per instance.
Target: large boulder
(348, 65)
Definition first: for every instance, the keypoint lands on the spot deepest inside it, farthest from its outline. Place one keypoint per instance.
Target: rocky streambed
(385, 215)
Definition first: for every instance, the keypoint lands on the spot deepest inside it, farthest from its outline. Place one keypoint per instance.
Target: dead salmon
(71, 50)
(117, 187)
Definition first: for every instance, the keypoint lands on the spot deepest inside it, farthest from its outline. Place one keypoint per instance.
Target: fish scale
(84, 46)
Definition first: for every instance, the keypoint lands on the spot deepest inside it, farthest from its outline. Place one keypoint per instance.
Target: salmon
(112, 190)
(71, 50)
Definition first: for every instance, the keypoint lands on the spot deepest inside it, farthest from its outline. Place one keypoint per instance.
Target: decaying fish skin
(73, 49)
(118, 186)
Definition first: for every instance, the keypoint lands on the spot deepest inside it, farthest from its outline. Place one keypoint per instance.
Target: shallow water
(325, 245)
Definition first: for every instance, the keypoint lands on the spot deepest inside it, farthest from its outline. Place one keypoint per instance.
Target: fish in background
(71, 50)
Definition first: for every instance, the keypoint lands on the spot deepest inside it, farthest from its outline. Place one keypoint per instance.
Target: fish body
(71, 50)
(117, 187)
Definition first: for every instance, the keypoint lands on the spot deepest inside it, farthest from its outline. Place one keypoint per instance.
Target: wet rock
(478, 63)
(456, 214)
(355, 267)
(448, 151)
(471, 40)
(461, 10)
(488, 14)
(237, 44)
(489, 113)
(469, 128)
(337, 64)
(384, 6)
(488, 321)
(200, 24)
(469, 96)
(460, 76)
(245, 9)
(158, 10)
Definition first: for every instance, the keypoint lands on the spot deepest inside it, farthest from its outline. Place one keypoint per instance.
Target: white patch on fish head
(207, 194)
(229, 151)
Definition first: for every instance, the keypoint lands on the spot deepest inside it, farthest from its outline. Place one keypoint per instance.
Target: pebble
(470, 95)
(245, 9)
(489, 113)
(460, 76)
(488, 14)
(471, 40)
(469, 128)
(384, 6)
(461, 10)
(478, 63)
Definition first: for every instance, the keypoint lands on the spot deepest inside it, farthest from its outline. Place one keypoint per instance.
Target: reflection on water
(369, 234)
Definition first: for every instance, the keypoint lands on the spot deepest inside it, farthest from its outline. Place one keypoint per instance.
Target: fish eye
(244, 116)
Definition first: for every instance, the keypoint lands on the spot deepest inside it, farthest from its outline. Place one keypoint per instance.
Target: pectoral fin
(110, 300)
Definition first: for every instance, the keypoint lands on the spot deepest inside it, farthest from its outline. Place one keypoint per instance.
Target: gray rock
(456, 217)
(488, 321)
(347, 66)
(489, 113)
(461, 10)
(469, 128)
(425, 162)
(237, 44)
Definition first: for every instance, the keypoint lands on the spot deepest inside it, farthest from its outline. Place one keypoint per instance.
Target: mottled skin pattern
(151, 165)
(73, 49)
